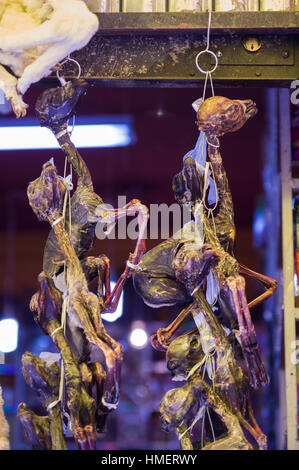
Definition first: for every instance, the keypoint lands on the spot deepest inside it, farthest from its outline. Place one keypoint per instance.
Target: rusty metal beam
(159, 49)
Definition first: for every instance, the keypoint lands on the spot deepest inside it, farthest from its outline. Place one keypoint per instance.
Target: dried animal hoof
(156, 343)
(18, 106)
(108, 405)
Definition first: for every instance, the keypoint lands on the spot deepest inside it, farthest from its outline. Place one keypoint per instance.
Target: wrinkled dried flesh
(219, 115)
(36, 429)
(45, 379)
(80, 405)
(85, 306)
(232, 280)
(229, 377)
(179, 407)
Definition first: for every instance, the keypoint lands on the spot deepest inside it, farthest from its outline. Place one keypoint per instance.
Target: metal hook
(206, 51)
(62, 79)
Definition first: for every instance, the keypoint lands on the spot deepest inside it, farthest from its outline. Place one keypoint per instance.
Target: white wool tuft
(34, 36)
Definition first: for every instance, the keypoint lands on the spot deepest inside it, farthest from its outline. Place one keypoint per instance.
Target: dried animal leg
(8, 83)
(261, 438)
(45, 380)
(132, 208)
(229, 378)
(270, 285)
(36, 429)
(247, 336)
(87, 378)
(160, 340)
(99, 377)
(80, 405)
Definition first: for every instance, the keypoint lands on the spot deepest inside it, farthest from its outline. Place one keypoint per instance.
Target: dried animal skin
(217, 116)
(180, 406)
(54, 108)
(178, 271)
(42, 432)
(90, 391)
(46, 307)
(4, 429)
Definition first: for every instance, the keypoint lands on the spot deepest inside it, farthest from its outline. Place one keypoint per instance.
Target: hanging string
(201, 414)
(211, 424)
(67, 199)
(67, 202)
(202, 426)
(208, 362)
(62, 81)
(207, 73)
(68, 59)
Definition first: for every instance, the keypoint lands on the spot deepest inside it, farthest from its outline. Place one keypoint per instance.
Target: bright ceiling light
(138, 337)
(8, 335)
(112, 317)
(84, 136)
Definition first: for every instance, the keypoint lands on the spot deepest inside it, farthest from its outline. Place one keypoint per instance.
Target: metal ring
(61, 79)
(206, 51)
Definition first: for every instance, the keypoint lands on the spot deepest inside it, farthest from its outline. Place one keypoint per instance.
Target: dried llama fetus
(196, 268)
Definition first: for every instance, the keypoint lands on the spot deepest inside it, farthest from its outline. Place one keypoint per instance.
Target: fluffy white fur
(34, 36)
(4, 443)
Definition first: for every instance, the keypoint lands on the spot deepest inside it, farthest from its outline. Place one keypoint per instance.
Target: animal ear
(194, 342)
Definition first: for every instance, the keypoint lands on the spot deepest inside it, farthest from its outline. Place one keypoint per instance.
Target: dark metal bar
(225, 22)
(159, 49)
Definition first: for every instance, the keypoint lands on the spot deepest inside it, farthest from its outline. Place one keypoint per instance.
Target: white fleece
(37, 34)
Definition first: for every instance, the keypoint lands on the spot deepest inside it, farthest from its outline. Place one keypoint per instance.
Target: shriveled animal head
(41, 376)
(56, 106)
(218, 115)
(176, 408)
(46, 193)
(182, 354)
(188, 184)
(192, 263)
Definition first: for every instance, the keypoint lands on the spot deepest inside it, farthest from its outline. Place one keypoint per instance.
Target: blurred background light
(112, 317)
(8, 335)
(84, 136)
(138, 336)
